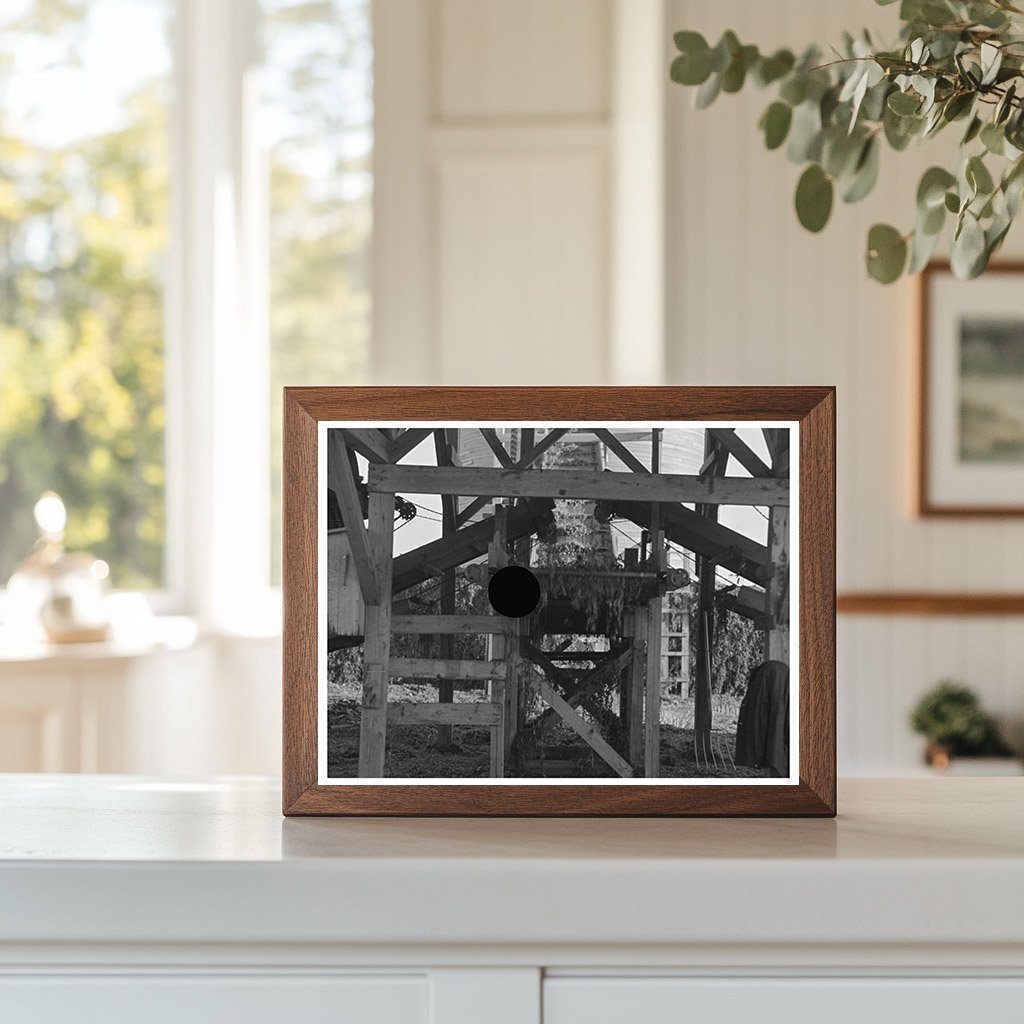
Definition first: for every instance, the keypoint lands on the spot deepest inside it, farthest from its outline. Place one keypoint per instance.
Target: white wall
(505, 133)
(754, 299)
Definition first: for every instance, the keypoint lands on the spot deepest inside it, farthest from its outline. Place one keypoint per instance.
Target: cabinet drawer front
(202, 999)
(783, 1001)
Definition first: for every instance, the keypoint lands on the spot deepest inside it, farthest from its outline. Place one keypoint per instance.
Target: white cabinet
(824, 1000)
(133, 899)
(202, 999)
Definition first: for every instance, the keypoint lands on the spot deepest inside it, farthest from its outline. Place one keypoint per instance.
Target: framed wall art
(970, 445)
(559, 601)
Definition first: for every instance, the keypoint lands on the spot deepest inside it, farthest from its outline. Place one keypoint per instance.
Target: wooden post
(777, 640)
(497, 558)
(652, 714)
(517, 672)
(715, 458)
(376, 648)
(637, 678)
(446, 643)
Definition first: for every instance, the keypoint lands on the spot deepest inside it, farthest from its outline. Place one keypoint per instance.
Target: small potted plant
(951, 719)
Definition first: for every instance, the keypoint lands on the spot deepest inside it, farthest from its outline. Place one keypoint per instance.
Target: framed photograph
(559, 601)
(970, 451)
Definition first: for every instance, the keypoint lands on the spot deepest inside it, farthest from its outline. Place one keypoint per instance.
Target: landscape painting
(582, 602)
(991, 389)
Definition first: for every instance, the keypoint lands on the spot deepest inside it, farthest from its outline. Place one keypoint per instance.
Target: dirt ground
(411, 750)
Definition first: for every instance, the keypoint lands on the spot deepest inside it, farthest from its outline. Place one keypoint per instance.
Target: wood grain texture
(558, 483)
(925, 603)
(813, 407)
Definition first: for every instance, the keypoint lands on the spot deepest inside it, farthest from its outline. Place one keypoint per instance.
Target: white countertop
(120, 859)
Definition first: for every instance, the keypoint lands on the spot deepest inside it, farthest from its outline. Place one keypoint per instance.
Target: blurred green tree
(82, 232)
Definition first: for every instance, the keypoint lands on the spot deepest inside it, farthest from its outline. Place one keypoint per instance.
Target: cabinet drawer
(202, 999)
(660, 1000)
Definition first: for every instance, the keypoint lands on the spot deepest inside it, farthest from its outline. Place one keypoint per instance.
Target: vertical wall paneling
(638, 212)
(751, 298)
(518, 197)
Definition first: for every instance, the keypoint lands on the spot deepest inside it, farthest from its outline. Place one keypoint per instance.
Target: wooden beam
(425, 625)
(377, 646)
(748, 602)
(652, 690)
(371, 444)
(703, 536)
(341, 481)
(637, 676)
(621, 451)
(777, 439)
(497, 650)
(531, 456)
(483, 714)
(581, 484)
(404, 442)
(652, 695)
(472, 508)
(579, 688)
(717, 457)
(587, 731)
(777, 591)
(446, 643)
(740, 451)
(551, 437)
(445, 668)
(494, 443)
(453, 549)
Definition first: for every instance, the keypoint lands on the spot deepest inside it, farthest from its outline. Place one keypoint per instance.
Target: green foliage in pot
(957, 62)
(949, 716)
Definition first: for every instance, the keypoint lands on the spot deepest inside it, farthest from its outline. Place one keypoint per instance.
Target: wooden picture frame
(805, 415)
(936, 476)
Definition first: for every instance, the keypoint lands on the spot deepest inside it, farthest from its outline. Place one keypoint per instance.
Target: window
(317, 111)
(83, 236)
(239, 216)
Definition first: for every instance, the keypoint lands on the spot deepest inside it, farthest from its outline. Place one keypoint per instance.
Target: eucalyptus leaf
(707, 93)
(735, 74)
(840, 152)
(931, 190)
(978, 176)
(689, 69)
(865, 173)
(991, 60)
(987, 15)
(904, 103)
(886, 253)
(968, 248)
(922, 248)
(1005, 105)
(973, 130)
(794, 88)
(993, 138)
(771, 69)
(724, 51)
(805, 133)
(932, 221)
(814, 195)
(775, 124)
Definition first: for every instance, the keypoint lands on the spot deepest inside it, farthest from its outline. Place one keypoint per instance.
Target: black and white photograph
(557, 602)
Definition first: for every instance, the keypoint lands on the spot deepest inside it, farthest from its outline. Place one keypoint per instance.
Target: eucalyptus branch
(954, 60)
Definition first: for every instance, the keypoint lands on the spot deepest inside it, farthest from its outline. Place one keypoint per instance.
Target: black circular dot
(513, 591)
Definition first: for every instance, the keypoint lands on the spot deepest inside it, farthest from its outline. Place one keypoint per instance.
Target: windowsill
(161, 633)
